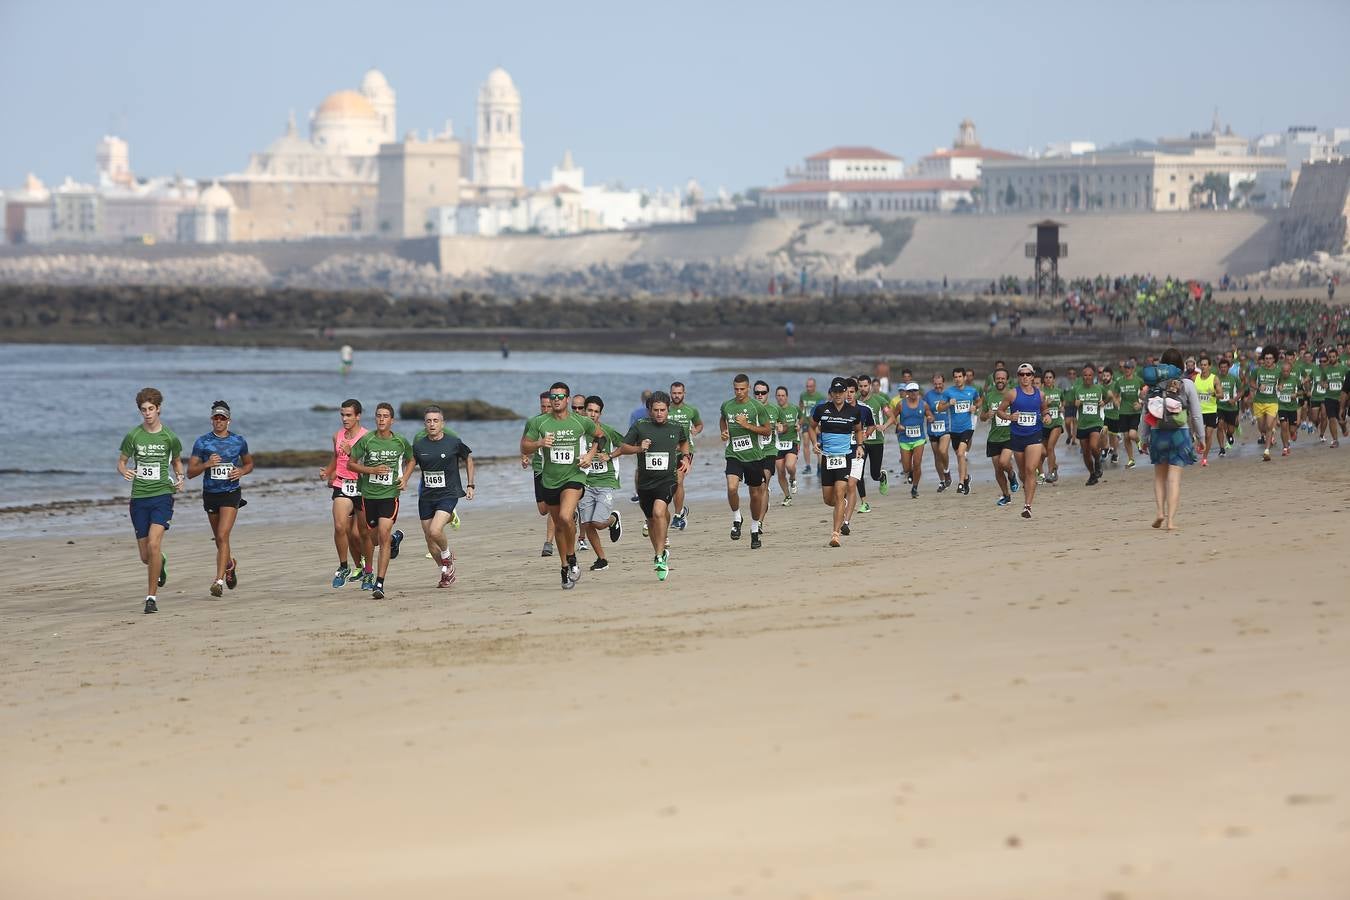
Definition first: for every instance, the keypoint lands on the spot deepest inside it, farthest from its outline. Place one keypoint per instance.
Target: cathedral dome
(374, 82)
(345, 105)
(499, 86)
(215, 197)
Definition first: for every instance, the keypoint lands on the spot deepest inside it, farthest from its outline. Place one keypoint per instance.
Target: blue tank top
(1026, 409)
(911, 427)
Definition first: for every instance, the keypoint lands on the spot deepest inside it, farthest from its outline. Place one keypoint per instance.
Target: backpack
(1166, 398)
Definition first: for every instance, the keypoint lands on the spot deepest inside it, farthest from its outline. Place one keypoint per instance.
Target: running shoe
(1013, 485)
(355, 574)
(377, 591)
(1093, 479)
(807, 470)
(787, 501)
(1026, 511)
(1230, 442)
(1004, 500)
(885, 485)
(217, 588)
(340, 576)
(633, 499)
(599, 565)
(393, 545)
(942, 486)
(914, 492)
(1265, 455)
(755, 542)
(232, 574)
(163, 569)
(792, 485)
(1261, 440)
(567, 583)
(445, 581)
(662, 565)
(1130, 464)
(583, 544)
(574, 573)
(1040, 478)
(1053, 477)
(448, 573)
(1334, 444)
(965, 486)
(1204, 462)
(735, 531)
(548, 549)
(454, 520)
(615, 528)
(864, 507)
(844, 530)
(834, 539)
(675, 522)
(1284, 452)
(150, 606)
(646, 530)
(1223, 451)
(367, 581)
(1115, 457)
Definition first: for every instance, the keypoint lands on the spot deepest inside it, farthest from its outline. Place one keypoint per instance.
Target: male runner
(384, 462)
(1207, 388)
(570, 443)
(1110, 411)
(874, 445)
(742, 422)
(1230, 394)
(997, 446)
(839, 426)
(785, 442)
(963, 400)
(767, 443)
(1089, 396)
(224, 457)
(686, 415)
(1128, 390)
(596, 509)
(938, 418)
(1265, 402)
(1286, 400)
(155, 450)
(662, 448)
(807, 401)
(536, 462)
(1334, 373)
(857, 483)
(1072, 382)
(438, 454)
(350, 533)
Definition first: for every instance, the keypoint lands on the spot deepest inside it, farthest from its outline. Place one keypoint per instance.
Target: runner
(1230, 394)
(1334, 374)
(1265, 403)
(1286, 399)
(785, 441)
(1317, 397)
(963, 399)
(911, 415)
(997, 446)
(1089, 397)
(874, 446)
(857, 484)
(155, 475)
(438, 453)
(807, 401)
(658, 442)
(683, 414)
(384, 462)
(566, 439)
(839, 425)
(1110, 412)
(350, 534)
(767, 443)
(1072, 383)
(535, 461)
(1051, 431)
(1206, 387)
(742, 423)
(1025, 406)
(596, 509)
(1128, 390)
(938, 418)
(224, 457)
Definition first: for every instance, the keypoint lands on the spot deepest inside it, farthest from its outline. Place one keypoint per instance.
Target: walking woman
(1172, 431)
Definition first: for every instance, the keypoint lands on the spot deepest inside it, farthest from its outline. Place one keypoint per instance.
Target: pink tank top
(343, 445)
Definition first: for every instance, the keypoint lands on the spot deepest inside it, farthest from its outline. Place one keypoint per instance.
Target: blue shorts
(147, 511)
(427, 508)
(1020, 442)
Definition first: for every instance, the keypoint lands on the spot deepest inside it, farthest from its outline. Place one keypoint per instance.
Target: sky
(653, 94)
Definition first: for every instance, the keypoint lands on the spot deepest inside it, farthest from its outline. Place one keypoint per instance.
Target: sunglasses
(557, 396)
(222, 418)
(761, 393)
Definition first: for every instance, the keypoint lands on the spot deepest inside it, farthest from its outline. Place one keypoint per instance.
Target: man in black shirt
(662, 449)
(838, 426)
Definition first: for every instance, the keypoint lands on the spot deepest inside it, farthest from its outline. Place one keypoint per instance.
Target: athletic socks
(754, 526)
(736, 516)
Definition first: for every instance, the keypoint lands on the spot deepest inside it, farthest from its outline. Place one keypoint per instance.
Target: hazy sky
(726, 92)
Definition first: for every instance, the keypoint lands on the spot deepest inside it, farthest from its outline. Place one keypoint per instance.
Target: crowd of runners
(765, 437)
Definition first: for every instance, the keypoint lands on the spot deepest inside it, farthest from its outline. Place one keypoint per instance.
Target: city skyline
(646, 101)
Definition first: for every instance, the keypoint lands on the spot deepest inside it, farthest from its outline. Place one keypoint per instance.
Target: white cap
(911, 386)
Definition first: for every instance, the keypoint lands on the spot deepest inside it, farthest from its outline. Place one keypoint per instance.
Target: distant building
(28, 213)
(146, 211)
(849, 164)
(210, 220)
(499, 152)
(887, 199)
(416, 177)
(77, 213)
(960, 162)
(112, 158)
(1218, 141)
(1297, 145)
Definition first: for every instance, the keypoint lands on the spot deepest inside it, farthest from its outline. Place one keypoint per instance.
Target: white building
(28, 213)
(210, 220)
(849, 164)
(146, 211)
(962, 161)
(112, 159)
(499, 152)
(889, 199)
(375, 88)
(1062, 149)
(77, 212)
(1296, 145)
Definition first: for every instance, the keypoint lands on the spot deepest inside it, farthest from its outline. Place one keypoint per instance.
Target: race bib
(433, 479)
(1205, 398)
(385, 479)
(1227, 393)
(147, 471)
(765, 440)
(657, 462)
(599, 466)
(1285, 398)
(784, 445)
(1000, 422)
(221, 472)
(563, 456)
(913, 431)
(962, 406)
(937, 426)
(1026, 419)
(1089, 409)
(1333, 385)
(349, 487)
(741, 444)
(836, 462)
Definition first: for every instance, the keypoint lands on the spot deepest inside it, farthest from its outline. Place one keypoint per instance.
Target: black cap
(837, 386)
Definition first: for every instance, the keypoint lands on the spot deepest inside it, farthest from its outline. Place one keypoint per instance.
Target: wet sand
(965, 707)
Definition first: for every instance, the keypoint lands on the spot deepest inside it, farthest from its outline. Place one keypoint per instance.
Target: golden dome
(345, 105)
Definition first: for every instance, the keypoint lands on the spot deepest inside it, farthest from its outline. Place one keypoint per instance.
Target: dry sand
(969, 708)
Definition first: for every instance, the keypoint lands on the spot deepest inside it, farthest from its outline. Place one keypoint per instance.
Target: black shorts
(830, 476)
(770, 465)
(356, 501)
(553, 496)
(538, 488)
(752, 473)
(1129, 422)
(1333, 407)
(963, 437)
(1019, 442)
(647, 498)
(791, 450)
(1314, 401)
(1085, 433)
(936, 439)
(995, 448)
(1228, 417)
(212, 502)
(1289, 415)
(1211, 419)
(1048, 432)
(1113, 425)
(375, 510)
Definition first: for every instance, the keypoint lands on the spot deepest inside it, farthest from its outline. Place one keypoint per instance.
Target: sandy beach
(964, 706)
